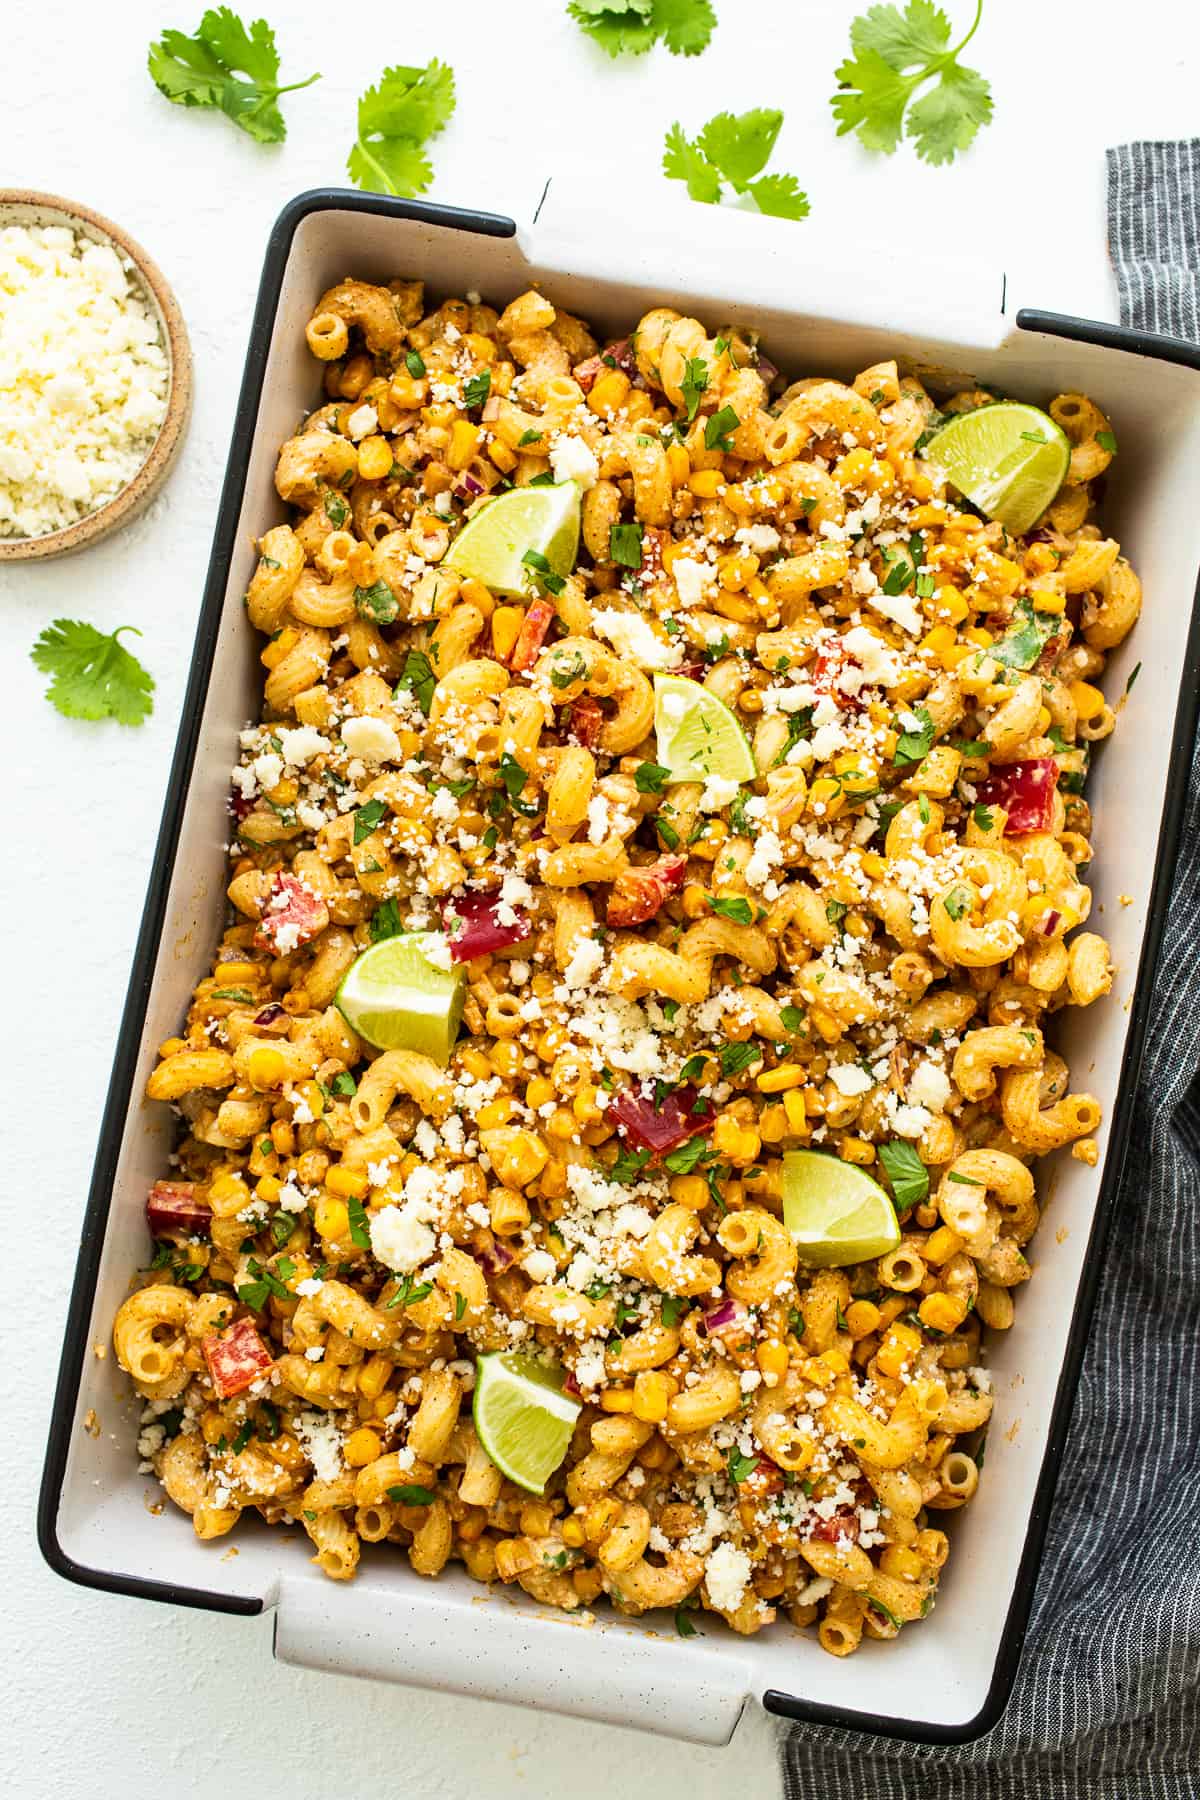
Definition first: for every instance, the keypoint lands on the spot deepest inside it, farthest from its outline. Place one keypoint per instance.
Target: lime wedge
(490, 545)
(1009, 460)
(698, 737)
(522, 1417)
(398, 995)
(834, 1211)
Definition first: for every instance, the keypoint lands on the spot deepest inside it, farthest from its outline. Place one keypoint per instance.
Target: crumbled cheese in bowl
(83, 378)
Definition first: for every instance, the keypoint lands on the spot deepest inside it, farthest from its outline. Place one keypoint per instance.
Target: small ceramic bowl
(19, 206)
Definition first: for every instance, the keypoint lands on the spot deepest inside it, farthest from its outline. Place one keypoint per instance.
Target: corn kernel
(409, 392)
(941, 1245)
(464, 441)
(1046, 601)
(374, 458)
(373, 1376)
(706, 484)
(774, 1081)
(652, 1394)
(825, 797)
(1042, 722)
(331, 1218)
(600, 1518)
(235, 973)
(772, 1359)
(862, 1318)
(949, 603)
(266, 1067)
(737, 1143)
(852, 468)
(351, 1184)
(772, 1124)
(901, 1563)
(617, 1400)
(504, 459)
(939, 640)
(494, 1113)
(690, 1191)
(609, 393)
(942, 1312)
(979, 636)
(899, 1347)
(269, 1189)
(476, 1063)
(171, 1046)
(1089, 701)
(279, 647)
(573, 1534)
(796, 1110)
(680, 465)
(362, 1447)
(856, 1150)
(873, 865)
(506, 629)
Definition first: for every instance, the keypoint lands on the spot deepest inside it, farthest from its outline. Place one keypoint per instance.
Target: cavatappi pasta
(859, 951)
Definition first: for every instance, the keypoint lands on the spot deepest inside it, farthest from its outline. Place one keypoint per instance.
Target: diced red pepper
(240, 805)
(293, 915)
(828, 673)
(840, 1525)
(531, 636)
(639, 893)
(586, 721)
(236, 1359)
(474, 929)
(173, 1206)
(660, 1128)
(1026, 792)
(589, 371)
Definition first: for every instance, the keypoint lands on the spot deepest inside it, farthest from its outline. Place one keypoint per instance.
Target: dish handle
(579, 236)
(495, 1648)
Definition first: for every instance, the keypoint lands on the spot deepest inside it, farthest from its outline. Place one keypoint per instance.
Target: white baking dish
(948, 1678)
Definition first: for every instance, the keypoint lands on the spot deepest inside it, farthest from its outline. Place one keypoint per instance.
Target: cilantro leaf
(225, 65)
(779, 196)
(913, 745)
(684, 161)
(740, 1467)
(411, 1493)
(95, 677)
(946, 119)
(739, 144)
(906, 1172)
(894, 54)
(735, 907)
(685, 26)
(632, 27)
(395, 119)
(419, 677)
(625, 545)
(695, 380)
(734, 146)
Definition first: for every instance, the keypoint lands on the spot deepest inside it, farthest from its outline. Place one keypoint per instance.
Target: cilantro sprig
(396, 119)
(631, 27)
(95, 677)
(894, 54)
(228, 65)
(734, 147)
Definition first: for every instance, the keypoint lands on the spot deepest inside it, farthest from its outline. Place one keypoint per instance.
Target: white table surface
(103, 1696)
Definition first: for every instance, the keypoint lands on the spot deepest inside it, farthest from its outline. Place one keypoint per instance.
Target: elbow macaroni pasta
(859, 950)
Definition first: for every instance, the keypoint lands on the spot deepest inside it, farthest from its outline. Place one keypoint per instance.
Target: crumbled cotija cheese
(83, 378)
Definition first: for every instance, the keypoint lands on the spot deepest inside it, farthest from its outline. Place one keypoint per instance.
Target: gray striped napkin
(1107, 1700)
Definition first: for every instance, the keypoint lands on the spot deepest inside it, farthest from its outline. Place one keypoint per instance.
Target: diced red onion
(766, 368)
(572, 1387)
(1050, 923)
(659, 1128)
(495, 1259)
(270, 1014)
(719, 1318)
(240, 806)
(474, 929)
(467, 487)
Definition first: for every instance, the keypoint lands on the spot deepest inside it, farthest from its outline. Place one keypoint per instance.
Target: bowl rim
(145, 483)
